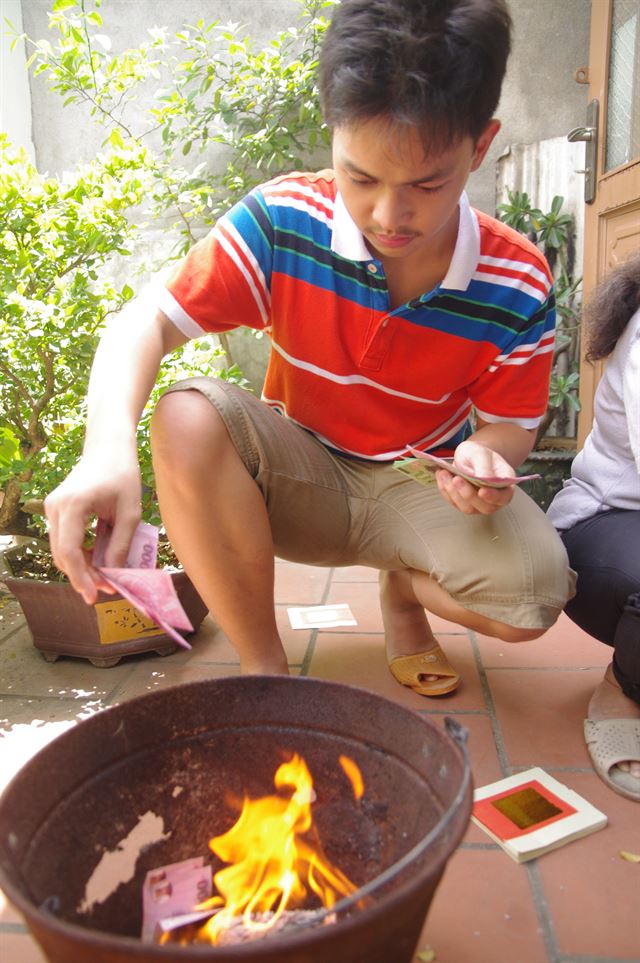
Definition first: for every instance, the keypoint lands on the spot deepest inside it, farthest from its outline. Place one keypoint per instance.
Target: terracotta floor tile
(300, 584)
(210, 644)
(541, 714)
(359, 659)
(483, 756)
(564, 644)
(590, 874)
(482, 912)
(362, 598)
(485, 764)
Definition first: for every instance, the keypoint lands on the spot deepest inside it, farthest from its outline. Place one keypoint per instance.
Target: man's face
(403, 199)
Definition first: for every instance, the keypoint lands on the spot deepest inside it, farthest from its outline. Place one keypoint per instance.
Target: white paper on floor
(321, 616)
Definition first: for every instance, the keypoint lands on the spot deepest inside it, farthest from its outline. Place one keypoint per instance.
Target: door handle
(589, 134)
(581, 133)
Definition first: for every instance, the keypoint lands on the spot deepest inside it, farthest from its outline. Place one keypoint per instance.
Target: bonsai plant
(57, 238)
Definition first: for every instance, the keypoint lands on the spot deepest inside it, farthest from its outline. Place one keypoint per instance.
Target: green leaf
(60, 5)
(9, 446)
(115, 138)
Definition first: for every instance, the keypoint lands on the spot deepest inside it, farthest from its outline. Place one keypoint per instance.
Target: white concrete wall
(542, 170)
(15, 98)
(540, 98)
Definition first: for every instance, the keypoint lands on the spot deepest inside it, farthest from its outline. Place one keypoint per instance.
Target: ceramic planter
(63, 624)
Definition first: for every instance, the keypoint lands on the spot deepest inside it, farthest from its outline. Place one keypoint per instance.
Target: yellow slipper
(408, 669)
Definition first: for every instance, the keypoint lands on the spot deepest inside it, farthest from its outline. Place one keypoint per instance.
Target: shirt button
(372, 268)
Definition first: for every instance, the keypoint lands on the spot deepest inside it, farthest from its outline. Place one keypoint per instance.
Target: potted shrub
(56, 239)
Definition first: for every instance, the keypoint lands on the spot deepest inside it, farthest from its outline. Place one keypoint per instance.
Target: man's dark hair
(433, 65)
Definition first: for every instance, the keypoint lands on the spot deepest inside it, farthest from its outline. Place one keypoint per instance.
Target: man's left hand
(476, 459)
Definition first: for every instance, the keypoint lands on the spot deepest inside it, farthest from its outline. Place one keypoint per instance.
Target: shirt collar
(348, 242)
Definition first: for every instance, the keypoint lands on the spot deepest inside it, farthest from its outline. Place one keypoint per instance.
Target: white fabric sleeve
(631, 397)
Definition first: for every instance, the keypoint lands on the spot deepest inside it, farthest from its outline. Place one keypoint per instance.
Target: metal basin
(178, 754)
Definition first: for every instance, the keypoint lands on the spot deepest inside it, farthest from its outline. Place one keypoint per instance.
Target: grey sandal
(609, 742)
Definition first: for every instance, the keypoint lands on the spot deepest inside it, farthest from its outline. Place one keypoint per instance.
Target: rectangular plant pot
(63, 624)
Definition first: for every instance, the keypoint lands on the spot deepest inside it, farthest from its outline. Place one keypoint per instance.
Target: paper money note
(143, 550)
(174, 890)
(149, 589)
(424, 466)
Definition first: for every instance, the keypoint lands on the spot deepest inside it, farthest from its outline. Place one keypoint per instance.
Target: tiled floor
(523, 705)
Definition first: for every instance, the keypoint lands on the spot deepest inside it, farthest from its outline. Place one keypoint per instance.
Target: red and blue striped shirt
(365, 379)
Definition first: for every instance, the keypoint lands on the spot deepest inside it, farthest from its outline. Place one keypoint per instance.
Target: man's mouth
(393, 240)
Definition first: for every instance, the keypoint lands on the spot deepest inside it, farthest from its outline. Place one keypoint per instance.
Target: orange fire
(273, 865)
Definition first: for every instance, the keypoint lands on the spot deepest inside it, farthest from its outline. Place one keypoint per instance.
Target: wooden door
(612, 217)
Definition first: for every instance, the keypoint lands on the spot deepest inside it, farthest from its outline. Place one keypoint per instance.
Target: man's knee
(185, 427)
(511, 633)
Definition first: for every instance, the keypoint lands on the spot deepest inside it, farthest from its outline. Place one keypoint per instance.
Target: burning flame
(353, 774)
(273, 867)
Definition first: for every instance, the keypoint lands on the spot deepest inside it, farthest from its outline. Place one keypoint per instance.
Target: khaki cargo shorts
(333, 511)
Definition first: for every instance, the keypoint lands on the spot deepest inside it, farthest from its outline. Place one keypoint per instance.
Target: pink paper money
(491, 481)
(173, 890)
(141, 583)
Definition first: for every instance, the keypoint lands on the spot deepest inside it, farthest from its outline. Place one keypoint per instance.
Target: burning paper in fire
(277, 875)
(173, 890)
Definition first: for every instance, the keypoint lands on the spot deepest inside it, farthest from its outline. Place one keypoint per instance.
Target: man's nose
(391, 211)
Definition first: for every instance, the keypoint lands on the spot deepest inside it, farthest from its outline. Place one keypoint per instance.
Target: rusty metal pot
(178, 753)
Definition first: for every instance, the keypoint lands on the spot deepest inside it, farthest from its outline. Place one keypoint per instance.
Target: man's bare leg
(218, 525)
(404, 596)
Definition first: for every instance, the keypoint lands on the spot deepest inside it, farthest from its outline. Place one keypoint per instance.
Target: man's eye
(357, 180)
(429, 188)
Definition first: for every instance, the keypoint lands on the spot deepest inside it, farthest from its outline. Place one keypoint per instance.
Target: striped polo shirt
(367, 380)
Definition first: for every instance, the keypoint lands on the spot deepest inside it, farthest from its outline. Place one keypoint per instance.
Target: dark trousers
(605, 552)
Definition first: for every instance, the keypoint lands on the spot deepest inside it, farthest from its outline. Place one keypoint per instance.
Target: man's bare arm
(106, 480)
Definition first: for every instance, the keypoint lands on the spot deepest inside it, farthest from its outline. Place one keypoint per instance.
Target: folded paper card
(321, 616)
(532, 813)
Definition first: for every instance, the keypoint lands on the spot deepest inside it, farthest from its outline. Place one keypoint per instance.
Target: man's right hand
(93, 487)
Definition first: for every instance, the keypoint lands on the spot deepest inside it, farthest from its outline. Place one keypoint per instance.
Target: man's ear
(484, 142)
